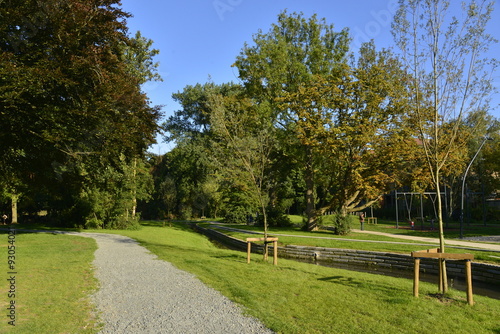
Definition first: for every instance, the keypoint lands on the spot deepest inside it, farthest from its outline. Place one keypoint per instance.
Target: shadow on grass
(172, 249)
(231, 257)
(179, 225)
(393, 293)
(36, 227)
(348, 281)
(121, 240)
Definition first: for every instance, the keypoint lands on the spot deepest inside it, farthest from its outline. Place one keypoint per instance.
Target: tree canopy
(68, 94)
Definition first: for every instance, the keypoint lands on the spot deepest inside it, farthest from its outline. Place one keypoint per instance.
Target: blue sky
(200, 39)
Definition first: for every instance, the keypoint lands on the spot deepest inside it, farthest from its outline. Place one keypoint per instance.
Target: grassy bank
(53, 282)
(301, 298)
(292, 297)
(361, 241)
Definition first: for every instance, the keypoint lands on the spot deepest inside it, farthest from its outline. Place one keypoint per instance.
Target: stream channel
(479, 288)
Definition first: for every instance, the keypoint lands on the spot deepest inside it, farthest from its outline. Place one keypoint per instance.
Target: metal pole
(463, 186)
(396, 199)
(422, 211)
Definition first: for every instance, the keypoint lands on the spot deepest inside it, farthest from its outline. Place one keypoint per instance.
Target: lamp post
(485, 138)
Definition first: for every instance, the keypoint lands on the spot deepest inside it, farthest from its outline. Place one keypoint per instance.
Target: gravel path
(141, 294)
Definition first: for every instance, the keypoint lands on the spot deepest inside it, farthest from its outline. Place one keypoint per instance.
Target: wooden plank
(432, 250)
(448, 256)
(261, 239)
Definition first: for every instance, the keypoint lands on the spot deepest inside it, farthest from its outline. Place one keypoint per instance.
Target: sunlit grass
(303, 298)
(54, 281)
(292, 297)
(359, 241)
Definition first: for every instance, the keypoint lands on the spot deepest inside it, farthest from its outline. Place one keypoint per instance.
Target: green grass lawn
(354, 240)
(292, 297)
(296, 297)
(53, 283)
(451, 229)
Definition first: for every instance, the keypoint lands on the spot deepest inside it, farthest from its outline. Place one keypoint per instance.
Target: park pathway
(488, 243)
(485, 243)
(141, 294)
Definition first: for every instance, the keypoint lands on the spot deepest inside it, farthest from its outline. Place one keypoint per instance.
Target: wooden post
(436, 254)
(266, 249)
(416, 276)
(440, 265)
(275, 248)
(266, 241)
(468, 273)
(249, 249)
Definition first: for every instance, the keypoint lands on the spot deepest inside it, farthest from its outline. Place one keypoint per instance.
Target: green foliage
(72, 106)
(138, 56)
(94, 223)
(236, 215)
(335, 112)
(186, 212)
(275, 218)
(340, 223)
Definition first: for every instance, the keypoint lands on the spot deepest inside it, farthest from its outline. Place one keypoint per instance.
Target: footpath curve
(141, 294)
(493, 245)
(138, 293)
(454, 242)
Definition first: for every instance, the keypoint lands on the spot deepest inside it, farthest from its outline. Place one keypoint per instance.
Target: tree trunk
(264, 215)
(310, 197)
(443, 284)
(14, 198)
(134, 190)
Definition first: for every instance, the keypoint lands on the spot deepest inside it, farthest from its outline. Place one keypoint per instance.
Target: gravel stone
(141, 294)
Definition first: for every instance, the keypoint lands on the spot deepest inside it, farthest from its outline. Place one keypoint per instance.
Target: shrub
(94, 224)
(236, 215)
(186, 213)
(341, 224)
(274, 218)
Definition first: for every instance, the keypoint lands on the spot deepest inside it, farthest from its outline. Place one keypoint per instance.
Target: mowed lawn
(53, 283)
(297, 297)
(292, 297)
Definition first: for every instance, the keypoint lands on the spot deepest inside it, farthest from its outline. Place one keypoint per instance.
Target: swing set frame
(408, 207)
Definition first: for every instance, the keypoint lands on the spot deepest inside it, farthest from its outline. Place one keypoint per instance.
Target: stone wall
(481, 272)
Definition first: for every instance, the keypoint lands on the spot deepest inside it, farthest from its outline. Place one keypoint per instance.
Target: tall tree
(355, 126)
(191, 161)
(291, 54)
(338, 115)
(67, 97)
(243, 140)
(451, 77)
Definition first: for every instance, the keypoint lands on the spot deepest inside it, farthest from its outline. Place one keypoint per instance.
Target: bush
(274, 218)
(236, 215)
(94, 224)
(341, 224)
(186, 213)
(124, 223)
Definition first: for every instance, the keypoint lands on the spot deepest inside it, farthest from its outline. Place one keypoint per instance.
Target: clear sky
(200, 39)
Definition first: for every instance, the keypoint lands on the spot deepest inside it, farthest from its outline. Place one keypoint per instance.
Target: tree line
(315, 127)
(311, 127)
(75, 123)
